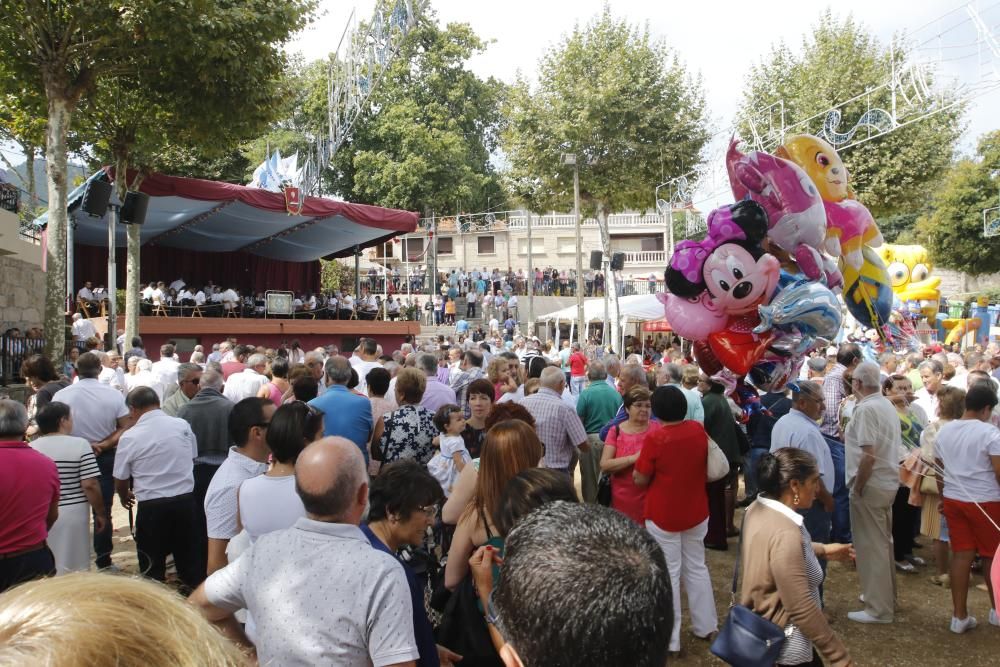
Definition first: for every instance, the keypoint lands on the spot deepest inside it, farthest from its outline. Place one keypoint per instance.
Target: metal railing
(494, 221)
(14, 349)
(10, 197)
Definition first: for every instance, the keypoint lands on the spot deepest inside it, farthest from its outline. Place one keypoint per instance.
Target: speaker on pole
(617, 261)
(596, 256)
(96, 198)
(134, 208)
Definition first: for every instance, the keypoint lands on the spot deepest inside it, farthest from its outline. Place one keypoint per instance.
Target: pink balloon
(693, 318)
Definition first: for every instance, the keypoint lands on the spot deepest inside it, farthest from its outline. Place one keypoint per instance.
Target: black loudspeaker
(134, 208)
(617, 261)
(96, 198)
(595, 259)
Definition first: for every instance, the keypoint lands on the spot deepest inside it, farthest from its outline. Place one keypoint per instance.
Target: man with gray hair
(559, 427)
(437, 392)
(303, 615)
(799, 429)
(188, 379)
(614, 366)
(247, 382)
(345, 413)
(873, 440)
(208, 415)
(29, 495)
(673, 375)
(597, 405)
(470, 370)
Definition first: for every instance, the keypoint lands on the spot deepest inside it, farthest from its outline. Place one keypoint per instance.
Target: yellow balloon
(910, 269)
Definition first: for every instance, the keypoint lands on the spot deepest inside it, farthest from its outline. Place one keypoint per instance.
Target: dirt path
(919, 637)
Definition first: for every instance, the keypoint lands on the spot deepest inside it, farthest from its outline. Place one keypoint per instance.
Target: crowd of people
(418, 506)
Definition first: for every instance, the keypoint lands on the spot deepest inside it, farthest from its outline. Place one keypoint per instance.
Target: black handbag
(604, 490)
(747, 639)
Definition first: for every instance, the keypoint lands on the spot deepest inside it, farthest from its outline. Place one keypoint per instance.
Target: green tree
(623, 103)
(839, 61)
(953, 230)
(140, 127)
(426, 138)
(188, 53)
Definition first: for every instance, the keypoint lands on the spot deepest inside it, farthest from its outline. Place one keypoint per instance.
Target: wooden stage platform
(271, 332)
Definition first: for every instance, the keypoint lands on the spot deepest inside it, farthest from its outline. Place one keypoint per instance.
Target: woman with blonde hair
(500, 377)
(950, 406)
(150, 625)
(511, 447)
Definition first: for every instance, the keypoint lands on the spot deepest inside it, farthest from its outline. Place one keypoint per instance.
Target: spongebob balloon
(909, 268)
(849, 224)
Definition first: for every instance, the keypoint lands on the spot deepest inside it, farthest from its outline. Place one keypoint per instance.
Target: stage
(187, 332)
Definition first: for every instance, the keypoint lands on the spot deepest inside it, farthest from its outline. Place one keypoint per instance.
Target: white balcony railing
(567, 220)
(652, 257)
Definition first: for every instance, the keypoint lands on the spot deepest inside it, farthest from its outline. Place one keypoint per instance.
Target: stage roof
(207, 216)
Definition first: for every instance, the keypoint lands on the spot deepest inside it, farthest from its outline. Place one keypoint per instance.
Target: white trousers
(685, 556)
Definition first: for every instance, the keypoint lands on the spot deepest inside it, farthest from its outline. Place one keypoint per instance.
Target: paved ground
(919, 637)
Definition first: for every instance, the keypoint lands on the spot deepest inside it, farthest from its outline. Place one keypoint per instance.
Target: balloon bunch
(760, 292)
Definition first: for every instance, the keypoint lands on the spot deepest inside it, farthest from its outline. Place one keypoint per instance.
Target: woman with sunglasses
(403, 503)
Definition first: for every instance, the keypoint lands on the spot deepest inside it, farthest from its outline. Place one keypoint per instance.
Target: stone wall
(956, 282)
(22, 294)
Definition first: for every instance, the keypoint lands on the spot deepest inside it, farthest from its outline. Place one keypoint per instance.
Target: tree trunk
(610, 283)
(132, 286)
(60, 116)
(29, 163)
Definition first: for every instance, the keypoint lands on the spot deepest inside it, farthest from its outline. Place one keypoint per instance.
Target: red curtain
(241, 270)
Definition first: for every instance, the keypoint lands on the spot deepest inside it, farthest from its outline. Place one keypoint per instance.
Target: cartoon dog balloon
(849, 223)
(795, 214)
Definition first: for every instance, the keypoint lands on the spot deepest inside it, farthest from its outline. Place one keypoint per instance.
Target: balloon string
(939, 470)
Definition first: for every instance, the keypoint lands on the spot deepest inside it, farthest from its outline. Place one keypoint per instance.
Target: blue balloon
(807, 308)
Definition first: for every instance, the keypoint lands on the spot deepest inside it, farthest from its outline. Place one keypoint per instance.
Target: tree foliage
(953, 230)
(149, 73)
(618, 99)
(840, 60)
(425, 141)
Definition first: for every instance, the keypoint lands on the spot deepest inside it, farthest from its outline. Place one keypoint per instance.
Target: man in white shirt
(512, 306)
(154, 468)
(199, 298)
(932, 377)
(144, 378)
(165, 370)
(247, 382)
(83, 328)
(800, 429)
(99, 417)
(346, 309)
(366, 360)
(178, 285)
(147, 292)
(248, 423)
(363, 616)
(110, 373)
(230, 299)
(969, 451)
(872, 443)
(87, 296)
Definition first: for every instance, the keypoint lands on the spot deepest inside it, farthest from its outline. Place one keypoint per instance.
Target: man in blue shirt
(344, 413)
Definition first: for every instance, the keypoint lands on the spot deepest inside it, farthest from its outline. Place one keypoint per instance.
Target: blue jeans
(841, 528)
(576, 384)
(102, 540)
(750, 470)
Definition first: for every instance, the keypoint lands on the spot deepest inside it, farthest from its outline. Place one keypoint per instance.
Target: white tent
(636, 308)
